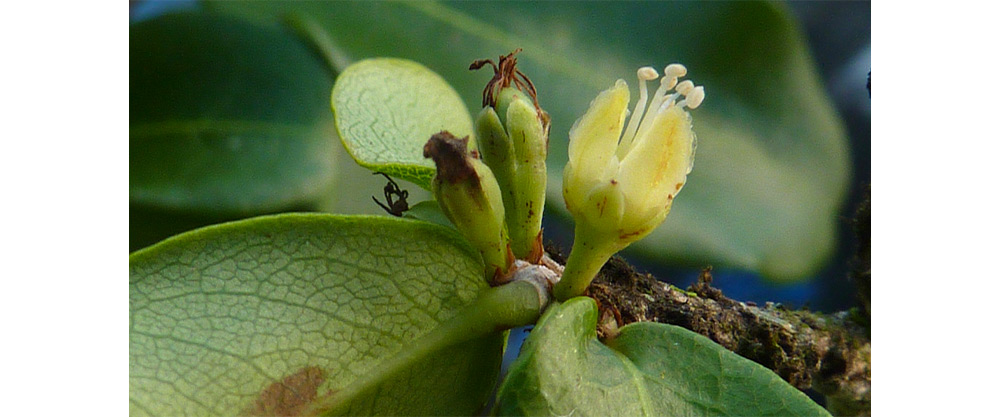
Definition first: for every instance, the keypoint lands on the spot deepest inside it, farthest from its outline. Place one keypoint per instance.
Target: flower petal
(604, 207)
(656, 168)
(594, 137)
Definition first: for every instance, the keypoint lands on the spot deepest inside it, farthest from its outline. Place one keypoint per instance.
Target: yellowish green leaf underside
(218, 316)
(386, 109)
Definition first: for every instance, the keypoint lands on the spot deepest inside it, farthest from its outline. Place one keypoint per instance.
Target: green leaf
(650, 369)
(226, 119)
(386, 109)
(428, 211)
(273, 313)
(772, 163)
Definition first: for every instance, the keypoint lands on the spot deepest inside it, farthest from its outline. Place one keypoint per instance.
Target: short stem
(500, 308)
(590, 252)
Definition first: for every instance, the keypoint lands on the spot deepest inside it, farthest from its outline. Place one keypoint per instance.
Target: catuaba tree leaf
(650, 369)
(226, 119)
(270, 314)
(386, 109)
(772, 165)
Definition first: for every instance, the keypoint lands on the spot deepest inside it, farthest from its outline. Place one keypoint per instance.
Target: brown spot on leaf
(290, 396)
(678, 186)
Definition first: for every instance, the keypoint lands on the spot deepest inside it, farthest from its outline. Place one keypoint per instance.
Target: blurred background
(839, 40)
(168, 196)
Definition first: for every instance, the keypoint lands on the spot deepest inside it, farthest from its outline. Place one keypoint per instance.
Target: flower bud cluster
(513, 137)
(509, 171)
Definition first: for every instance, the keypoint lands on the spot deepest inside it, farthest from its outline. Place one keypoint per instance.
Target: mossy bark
(830, 353)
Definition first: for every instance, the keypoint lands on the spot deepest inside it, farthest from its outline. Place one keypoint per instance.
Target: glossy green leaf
(772, 165)
(226, 119)
(386, 109)
(650, 369)
(272, 313)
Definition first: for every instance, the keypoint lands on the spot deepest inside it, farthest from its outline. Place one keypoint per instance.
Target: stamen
(642, 120)
(695, 97)
(644, 74)
(669, 80)
(647, 73)
(670, 101)
(671, 73)
(684, 87)
(661, 93)
(657, 105)
(675, 70)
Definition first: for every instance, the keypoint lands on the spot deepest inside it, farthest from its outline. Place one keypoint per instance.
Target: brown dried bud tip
(504, 74)
(450, 156)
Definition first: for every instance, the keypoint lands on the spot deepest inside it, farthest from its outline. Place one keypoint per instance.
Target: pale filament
(644, 74)
(641, 120)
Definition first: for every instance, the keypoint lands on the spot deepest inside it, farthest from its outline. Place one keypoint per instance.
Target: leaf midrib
(638, 380)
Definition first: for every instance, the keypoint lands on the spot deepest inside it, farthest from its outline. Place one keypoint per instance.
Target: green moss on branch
(830, 353)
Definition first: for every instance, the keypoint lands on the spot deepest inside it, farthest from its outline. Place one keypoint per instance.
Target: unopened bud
(469, 195)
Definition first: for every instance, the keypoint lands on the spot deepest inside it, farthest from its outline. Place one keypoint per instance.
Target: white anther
(647, 73)
(684, 87)
(666, 83)
(695, 97)
(675, 70)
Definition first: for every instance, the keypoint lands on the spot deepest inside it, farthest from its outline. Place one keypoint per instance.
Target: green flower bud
(513, 136)
(620, 186)
(469, 195)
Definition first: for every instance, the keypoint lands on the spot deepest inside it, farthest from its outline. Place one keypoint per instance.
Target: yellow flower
(620, 186)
